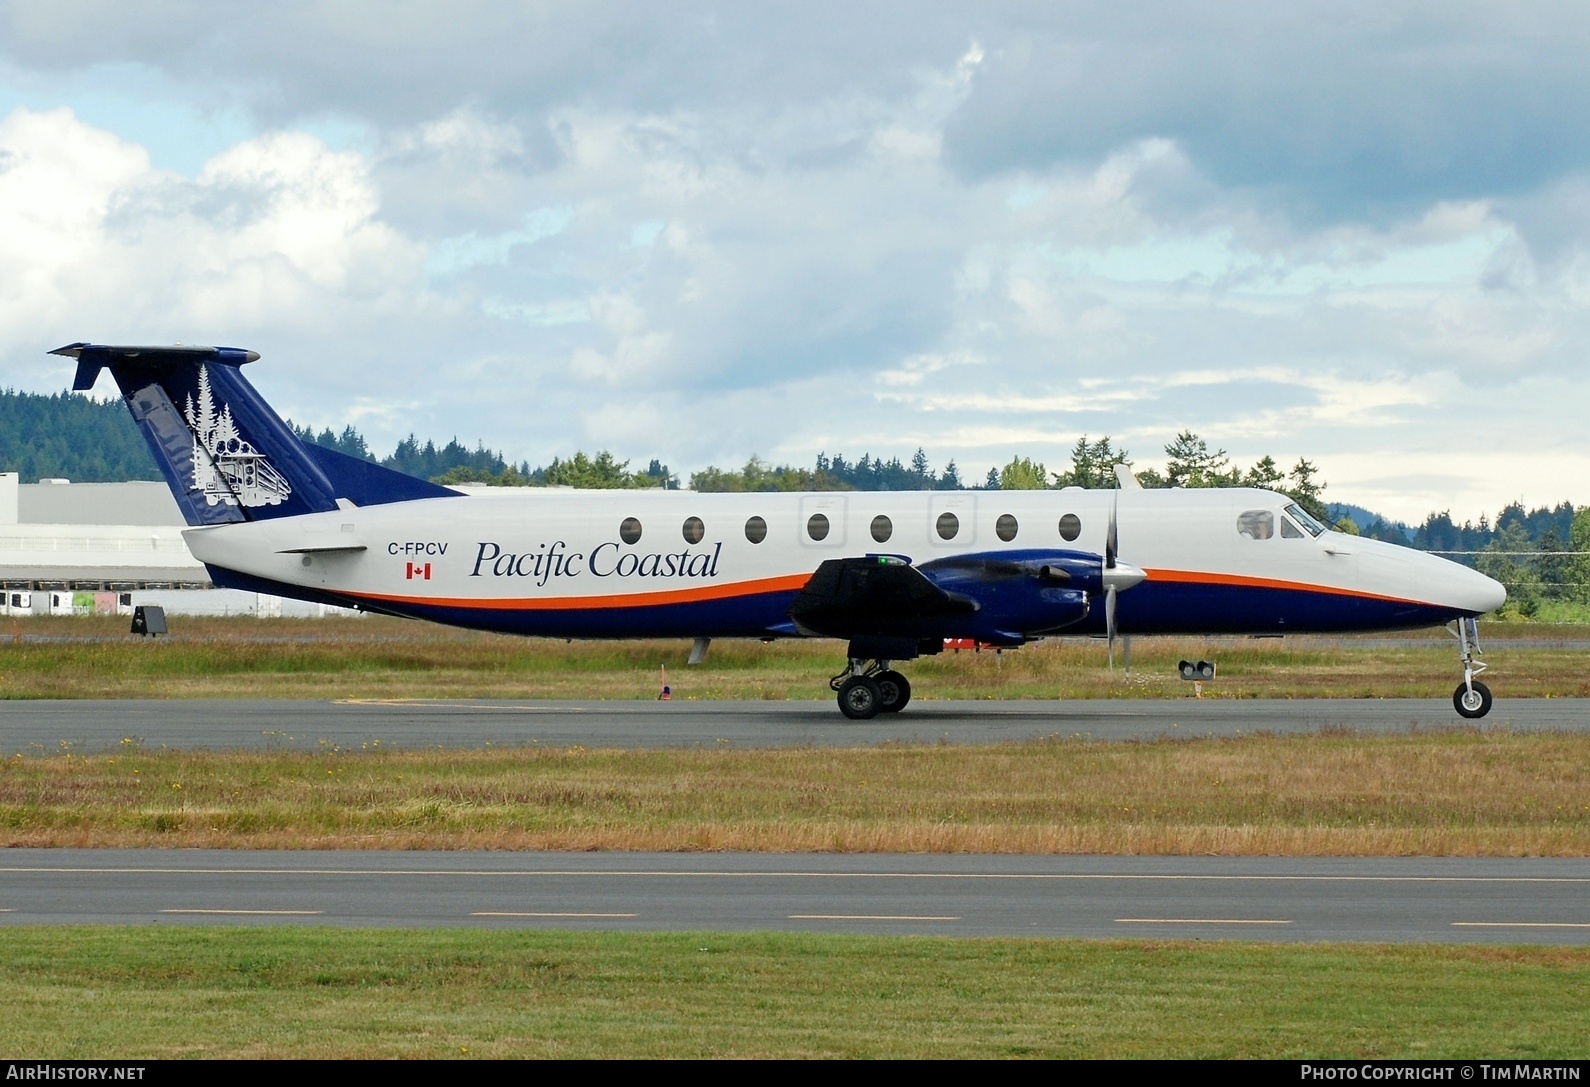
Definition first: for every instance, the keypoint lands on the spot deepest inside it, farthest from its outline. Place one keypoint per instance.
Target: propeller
(1111, 542)
(1117, 575)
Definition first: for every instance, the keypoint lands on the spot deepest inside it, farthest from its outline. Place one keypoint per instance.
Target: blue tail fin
(225, 454)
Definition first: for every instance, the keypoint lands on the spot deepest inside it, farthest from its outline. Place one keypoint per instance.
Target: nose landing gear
(868, 689)
(1472, 699)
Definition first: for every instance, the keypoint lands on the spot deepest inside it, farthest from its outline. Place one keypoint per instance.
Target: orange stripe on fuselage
(628, 600)
(1243, 581)
(796, 582)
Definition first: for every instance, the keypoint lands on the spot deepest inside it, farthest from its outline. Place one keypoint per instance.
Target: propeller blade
(1109, 622)
(1109, 533)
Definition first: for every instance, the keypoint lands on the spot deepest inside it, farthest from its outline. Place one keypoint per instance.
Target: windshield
(1301, 516)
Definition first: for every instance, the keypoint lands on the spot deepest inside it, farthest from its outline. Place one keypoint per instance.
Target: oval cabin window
(817, 527)
(694, 530)
(1070, 527)
(948, 525)
(882, 528)
(756, 530)
(629, 531)
(1005, 527)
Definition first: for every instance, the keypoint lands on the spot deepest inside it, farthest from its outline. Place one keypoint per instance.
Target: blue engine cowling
(1019, 594)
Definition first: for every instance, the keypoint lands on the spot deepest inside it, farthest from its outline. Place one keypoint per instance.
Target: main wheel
(896, 691)
(860, 698)
(1472, 703)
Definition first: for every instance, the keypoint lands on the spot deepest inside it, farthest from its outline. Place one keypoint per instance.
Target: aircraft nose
(1479, 594)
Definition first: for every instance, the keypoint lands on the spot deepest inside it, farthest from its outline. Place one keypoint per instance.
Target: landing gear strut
(1472, 699)
(868, 689)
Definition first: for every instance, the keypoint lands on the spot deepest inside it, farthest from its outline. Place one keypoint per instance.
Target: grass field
(151, 992)
(379, 657)
(1468, 793)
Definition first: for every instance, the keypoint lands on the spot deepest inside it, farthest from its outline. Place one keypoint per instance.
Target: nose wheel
(1472, 699)
(868, 689)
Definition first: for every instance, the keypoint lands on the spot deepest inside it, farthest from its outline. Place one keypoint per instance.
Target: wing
(874, 597)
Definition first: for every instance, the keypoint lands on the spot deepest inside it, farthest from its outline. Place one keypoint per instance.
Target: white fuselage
(564, 562)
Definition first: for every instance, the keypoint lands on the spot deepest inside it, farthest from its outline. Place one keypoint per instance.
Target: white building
(78, 548)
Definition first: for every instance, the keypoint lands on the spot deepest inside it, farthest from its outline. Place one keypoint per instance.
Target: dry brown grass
(1459, 793)
(378, 657)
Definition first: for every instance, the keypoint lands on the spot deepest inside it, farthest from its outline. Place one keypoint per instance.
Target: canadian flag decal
(418, 570)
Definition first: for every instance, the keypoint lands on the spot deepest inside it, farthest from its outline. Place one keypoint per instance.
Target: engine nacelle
(1019, 594)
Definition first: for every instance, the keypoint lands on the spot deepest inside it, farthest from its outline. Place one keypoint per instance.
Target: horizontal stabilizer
(92, 358)
(225, 453)
(344, 549)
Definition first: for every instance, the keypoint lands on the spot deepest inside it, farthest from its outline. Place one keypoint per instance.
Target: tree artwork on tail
(226, 467)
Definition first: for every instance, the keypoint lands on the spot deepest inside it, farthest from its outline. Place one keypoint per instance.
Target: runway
(42, 727)
(1254, 898)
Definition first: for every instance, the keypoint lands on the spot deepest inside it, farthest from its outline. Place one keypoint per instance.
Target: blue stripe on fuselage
(1149, 608)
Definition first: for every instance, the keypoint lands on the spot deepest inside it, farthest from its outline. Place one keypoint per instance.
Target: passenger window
(756, 530)
(629, 531)
(1070, 527)
(817, 527)
(1005, 527)
(882, 528)
(948, 525)
(1289, 531)
(694, 530)
(1256, 525)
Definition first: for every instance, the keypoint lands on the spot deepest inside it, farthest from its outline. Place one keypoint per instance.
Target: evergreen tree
(950, 478)
(1092, 465)
(1189, 463)
(1579, 564)
(659, 471)
(1023, 474)
(604, 471)
(1498, 561)
(69, 436)
(1267, 474)
(992, 482)
(1305, 491)
(1552, 569)
(757, 475)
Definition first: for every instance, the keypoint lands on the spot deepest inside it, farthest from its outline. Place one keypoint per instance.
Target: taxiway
(41, 727)
(1510, 900)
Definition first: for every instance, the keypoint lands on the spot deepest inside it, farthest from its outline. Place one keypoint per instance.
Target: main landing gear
(868, 689)
(1472, 699)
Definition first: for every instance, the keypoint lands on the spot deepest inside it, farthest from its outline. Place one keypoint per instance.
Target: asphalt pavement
(1443, 900)
(38, 727)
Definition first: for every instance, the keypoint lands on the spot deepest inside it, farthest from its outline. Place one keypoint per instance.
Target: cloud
(277, 232)
(707, 230)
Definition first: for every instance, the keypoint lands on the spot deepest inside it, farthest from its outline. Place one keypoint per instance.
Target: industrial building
(85, 548)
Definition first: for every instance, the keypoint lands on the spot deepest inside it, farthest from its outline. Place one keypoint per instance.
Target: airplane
(892, 574)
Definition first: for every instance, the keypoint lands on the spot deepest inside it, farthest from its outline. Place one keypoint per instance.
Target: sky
(1353, 232)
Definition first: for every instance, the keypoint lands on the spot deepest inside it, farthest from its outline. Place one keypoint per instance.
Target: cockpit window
(1314, 527)
(1256, 524)
(1289, 531)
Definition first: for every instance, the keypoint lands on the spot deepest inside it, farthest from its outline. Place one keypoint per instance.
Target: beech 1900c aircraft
(894, 574)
